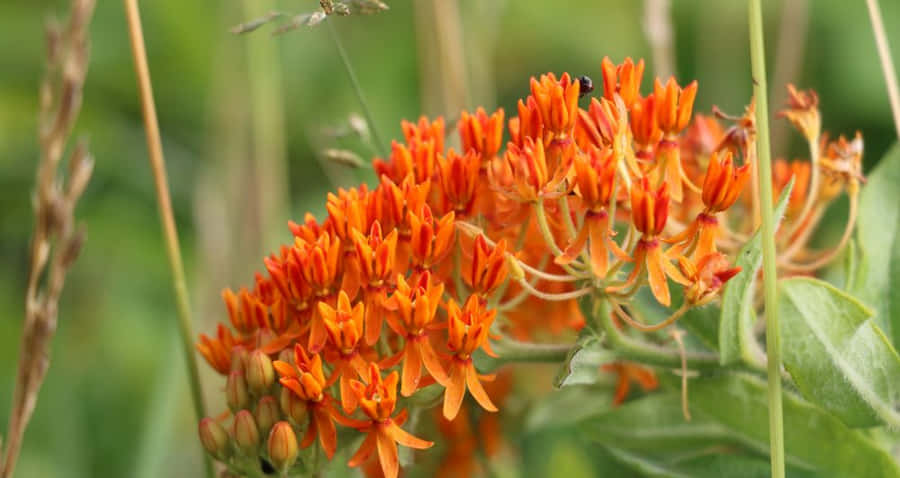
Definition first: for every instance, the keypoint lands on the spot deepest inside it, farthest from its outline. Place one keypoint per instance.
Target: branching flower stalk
(56, 241)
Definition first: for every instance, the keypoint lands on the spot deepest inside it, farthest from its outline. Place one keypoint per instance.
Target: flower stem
(644, 352)
(157, 163)
(770, 285)
(351, 74)
(887, 65)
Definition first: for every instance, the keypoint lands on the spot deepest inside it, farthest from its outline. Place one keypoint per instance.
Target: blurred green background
(115, 402)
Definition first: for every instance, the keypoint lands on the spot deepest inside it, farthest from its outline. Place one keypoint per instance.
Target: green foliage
(583, 361)
(837, 356)
(728, 431)
(736, 340)
(878, 227)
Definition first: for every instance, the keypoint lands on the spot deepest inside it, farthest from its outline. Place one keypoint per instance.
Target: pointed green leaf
(839, 358)
(713, 463)
(814, 439)
(736, 341)
(878, 227)
(582, 365)
(730, 412)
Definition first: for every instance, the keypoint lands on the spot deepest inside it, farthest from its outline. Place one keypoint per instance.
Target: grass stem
(170, 234)
(357, 88)
(770, 284)
(887, 64)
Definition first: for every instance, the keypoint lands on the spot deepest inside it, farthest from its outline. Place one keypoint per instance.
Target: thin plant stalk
(264, 77)
(658, 27)
(887, 64)
(357, 88)
(770, 284)
(55, 239)
(170, 234)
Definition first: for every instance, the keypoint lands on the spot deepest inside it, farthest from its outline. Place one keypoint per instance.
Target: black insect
(586, 85)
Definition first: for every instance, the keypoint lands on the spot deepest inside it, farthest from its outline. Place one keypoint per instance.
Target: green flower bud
(214, 438)
(260, 374)
(282, 446)
(246, 434)
(236, 393)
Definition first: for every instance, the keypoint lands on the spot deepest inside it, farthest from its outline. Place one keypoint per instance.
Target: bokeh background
(243, 119)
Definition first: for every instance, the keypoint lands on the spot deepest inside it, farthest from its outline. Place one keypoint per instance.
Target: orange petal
(285, 370)
(432, 362)
(364, 452)
(317, 335)
(349, 400)
(455, 389)
(327, 432)
(406, 439)
(622, 387)
(659, 285)
(387, 454)
(599, 254)
(477, 390)
(571, 253)
(310, 435)
(374, 316)
(412, 370)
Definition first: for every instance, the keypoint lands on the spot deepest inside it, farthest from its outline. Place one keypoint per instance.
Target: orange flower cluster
(403, 284)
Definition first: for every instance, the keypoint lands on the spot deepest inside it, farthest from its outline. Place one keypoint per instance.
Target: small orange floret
(459, 177)
(557, 102)
(624, 80)
(649, 208)
(489, 267)
(674, 106)
(378, 399)
(468, 330)
(217, 352)
(723, 183)
(482, 133)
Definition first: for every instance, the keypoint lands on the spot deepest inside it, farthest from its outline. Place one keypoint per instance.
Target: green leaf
(656, 423)
(839, 358)
(736, 340)
(582, 365)
(569, 406)
(814, 439)
(878, 229)
(703, 323)
(724, 463)
(729, 413)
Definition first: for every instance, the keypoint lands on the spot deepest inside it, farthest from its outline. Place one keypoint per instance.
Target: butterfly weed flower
(411, 291)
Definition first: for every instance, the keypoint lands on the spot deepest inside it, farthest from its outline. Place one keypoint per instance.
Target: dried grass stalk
(56, 241)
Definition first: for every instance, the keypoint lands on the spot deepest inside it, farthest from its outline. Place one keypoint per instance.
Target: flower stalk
(170, 233)
(887, 64)
(770, 285)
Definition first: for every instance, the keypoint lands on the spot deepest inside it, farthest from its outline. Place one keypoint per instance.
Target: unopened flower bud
(282, 446)
(267, 413)
(214, 438)
(246, 433)
(293, 406)
(238, 359)
(236, 391)
(260, 374)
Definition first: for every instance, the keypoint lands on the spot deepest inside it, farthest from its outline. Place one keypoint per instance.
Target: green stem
(645, 352)
(511, 350)
(887, 65)
(351, 74)
(770, 285)
(167, 217)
